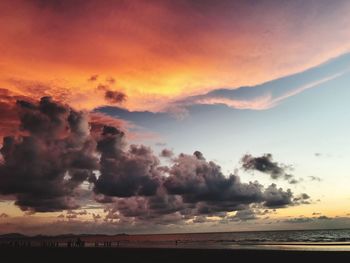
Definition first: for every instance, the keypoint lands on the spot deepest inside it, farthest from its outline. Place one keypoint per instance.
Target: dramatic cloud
(8, 112)
(125, 173)
(193, 188)
(265, 164)
(166, 49)
(276, 197)
(45, 167)
(198, 180)
(270, 94)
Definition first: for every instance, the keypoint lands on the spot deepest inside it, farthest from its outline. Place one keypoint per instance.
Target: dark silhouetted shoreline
(164, 255)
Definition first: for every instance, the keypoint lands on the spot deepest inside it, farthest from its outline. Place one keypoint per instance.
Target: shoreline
(59, 254)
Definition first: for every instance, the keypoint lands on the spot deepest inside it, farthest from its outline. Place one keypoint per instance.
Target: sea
(337, 240)
(316, 240)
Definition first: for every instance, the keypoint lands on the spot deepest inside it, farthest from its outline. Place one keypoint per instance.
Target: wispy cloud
(272, 93)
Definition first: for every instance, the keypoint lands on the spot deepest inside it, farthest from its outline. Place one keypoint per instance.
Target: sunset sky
(174, 116)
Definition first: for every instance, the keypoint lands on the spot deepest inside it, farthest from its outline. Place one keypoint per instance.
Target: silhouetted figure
(79, 243)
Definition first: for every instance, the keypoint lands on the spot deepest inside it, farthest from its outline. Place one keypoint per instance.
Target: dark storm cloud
(8, 112)
(45, 168)
(198, 180)
(265, 164)
(275, 197)
(158, 209)
(125, 172)
(115, 96)
(195, 188)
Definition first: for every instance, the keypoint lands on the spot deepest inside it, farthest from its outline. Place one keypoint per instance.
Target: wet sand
(164, 255)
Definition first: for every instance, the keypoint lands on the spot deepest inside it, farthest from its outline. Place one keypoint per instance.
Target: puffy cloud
(265, 164)
(193, 188)
(58, 151)
(276, 197)
(45, 167)
(125, 173)
(198, 180)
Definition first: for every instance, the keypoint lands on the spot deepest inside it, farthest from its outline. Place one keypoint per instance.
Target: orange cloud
(264, 101)
(157, 51)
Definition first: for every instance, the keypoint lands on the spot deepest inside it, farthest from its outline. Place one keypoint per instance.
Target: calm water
(338, 240)
(295, 240)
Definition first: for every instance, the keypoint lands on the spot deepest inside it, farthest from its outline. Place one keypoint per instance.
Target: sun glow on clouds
(157, 56)
(161, 50)
(264, 101)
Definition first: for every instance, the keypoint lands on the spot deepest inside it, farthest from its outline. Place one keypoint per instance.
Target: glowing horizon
(233, 105)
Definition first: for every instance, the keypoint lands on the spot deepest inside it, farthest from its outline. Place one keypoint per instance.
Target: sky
(173, 116)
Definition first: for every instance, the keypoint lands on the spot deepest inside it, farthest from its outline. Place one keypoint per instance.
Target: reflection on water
(330, 240)
(316, 240)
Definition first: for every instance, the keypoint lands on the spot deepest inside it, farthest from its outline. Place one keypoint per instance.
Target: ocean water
(330, 240)
(289, 240)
